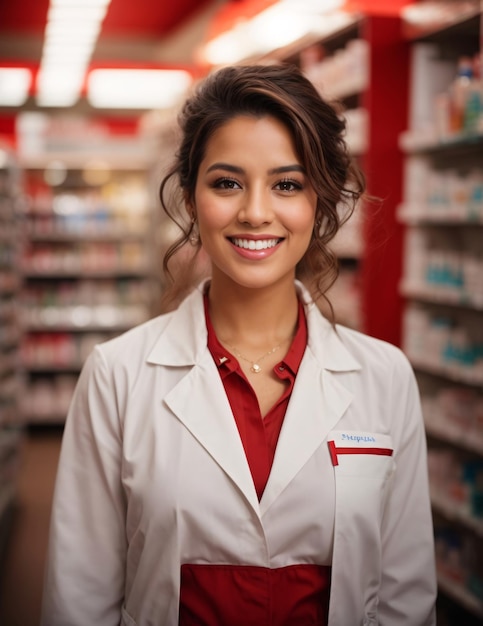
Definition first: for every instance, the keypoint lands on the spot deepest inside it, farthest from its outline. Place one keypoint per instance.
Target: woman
(241, 460)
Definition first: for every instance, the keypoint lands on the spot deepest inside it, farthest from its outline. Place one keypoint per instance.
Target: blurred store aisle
(23, 566)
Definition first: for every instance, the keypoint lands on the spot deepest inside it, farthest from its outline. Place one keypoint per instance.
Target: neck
(253, 317)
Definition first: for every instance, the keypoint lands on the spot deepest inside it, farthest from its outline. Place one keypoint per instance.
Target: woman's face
(254, 203)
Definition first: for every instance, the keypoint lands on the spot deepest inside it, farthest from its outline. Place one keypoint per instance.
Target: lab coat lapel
(200, 403)
(198, 399)
(318, 402)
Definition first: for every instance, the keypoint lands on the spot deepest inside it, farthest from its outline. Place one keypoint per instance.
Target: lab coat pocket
(363, 467)
(360, 453)
(126, 619)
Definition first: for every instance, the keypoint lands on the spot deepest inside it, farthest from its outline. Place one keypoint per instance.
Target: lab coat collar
(183, 341)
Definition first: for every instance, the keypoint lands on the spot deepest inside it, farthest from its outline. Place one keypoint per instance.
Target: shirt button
(281, 368)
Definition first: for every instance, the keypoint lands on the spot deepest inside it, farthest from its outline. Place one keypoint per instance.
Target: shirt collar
(179, 338)
(226, 364)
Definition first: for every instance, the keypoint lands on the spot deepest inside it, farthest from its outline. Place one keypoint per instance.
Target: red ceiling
(149, 17)
(153, 18)
(27, 16)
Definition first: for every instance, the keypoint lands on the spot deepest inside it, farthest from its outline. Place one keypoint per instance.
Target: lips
(255, 244)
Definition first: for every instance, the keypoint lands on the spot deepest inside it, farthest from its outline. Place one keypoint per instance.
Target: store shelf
(94, 236)
(453, 20)
(49, 418)
(11, 385)
(461, 595)
(442, 210)
(81, 273)
(84, 318)
(425, 293)
(452, 373)
(338, 29)
(86, 269)
(445, 430)
(449, 215)
(118, 160)
(53, 368)
(455, 511)
(417, 143)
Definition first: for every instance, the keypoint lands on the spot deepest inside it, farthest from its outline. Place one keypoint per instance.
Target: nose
(256, 208)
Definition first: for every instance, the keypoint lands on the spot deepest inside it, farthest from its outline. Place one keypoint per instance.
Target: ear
(190, 206)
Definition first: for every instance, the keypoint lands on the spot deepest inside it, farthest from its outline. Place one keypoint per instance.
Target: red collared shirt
(259, 435)
(213, 594)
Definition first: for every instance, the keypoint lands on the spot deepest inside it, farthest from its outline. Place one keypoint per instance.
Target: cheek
(212, 219)
(302, 220)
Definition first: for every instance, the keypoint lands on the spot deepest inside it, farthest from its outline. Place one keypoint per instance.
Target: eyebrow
(239, 170)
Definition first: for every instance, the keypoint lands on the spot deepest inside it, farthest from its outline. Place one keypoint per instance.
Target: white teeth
(251, 244)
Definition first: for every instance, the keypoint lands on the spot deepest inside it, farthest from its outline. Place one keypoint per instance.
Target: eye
(288, 185)
(226, 183)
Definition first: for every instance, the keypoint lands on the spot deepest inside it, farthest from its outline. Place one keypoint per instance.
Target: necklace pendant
(255, 368)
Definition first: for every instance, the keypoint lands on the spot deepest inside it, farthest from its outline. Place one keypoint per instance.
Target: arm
(408, 586)
(86, 560)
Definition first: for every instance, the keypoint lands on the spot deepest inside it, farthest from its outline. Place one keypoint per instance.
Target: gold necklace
(254, 365)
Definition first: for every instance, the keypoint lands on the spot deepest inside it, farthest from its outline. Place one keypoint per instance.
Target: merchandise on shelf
(49, 398)
(442, 282)
(442, 194)
(454, 414)
(454, 99)
(457, 480)
(444, 265)
(341, 74)
(458, 561)
(86, 270)
(118, 207)
(344, 298)
(446, 342)
(11, 388)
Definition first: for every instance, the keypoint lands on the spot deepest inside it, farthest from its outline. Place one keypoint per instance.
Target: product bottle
(473, 120)
(459, 93)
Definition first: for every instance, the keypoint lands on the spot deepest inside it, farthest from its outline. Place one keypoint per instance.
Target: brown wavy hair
(318, 130)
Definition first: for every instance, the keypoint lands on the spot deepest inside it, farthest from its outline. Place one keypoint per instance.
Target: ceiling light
(59, 86)
(136, 89)
(77, 14)
(70, 37)
(72, 31)
(281, 24)
(14, 85)
(79, 3)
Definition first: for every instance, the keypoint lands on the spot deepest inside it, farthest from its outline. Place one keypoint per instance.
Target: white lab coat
(153, 474)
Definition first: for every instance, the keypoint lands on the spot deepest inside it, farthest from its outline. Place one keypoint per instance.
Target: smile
(255, 244)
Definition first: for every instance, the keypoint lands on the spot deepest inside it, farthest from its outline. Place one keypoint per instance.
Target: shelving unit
(353, 65)
(87, 269)
(442, 212)
(10, 336)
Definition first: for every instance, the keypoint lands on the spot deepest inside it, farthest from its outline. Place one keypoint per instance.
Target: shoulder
(370, 350)
(171, 339)
(344, 349)
(130, 349)
(380, 361)
(339, 348)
